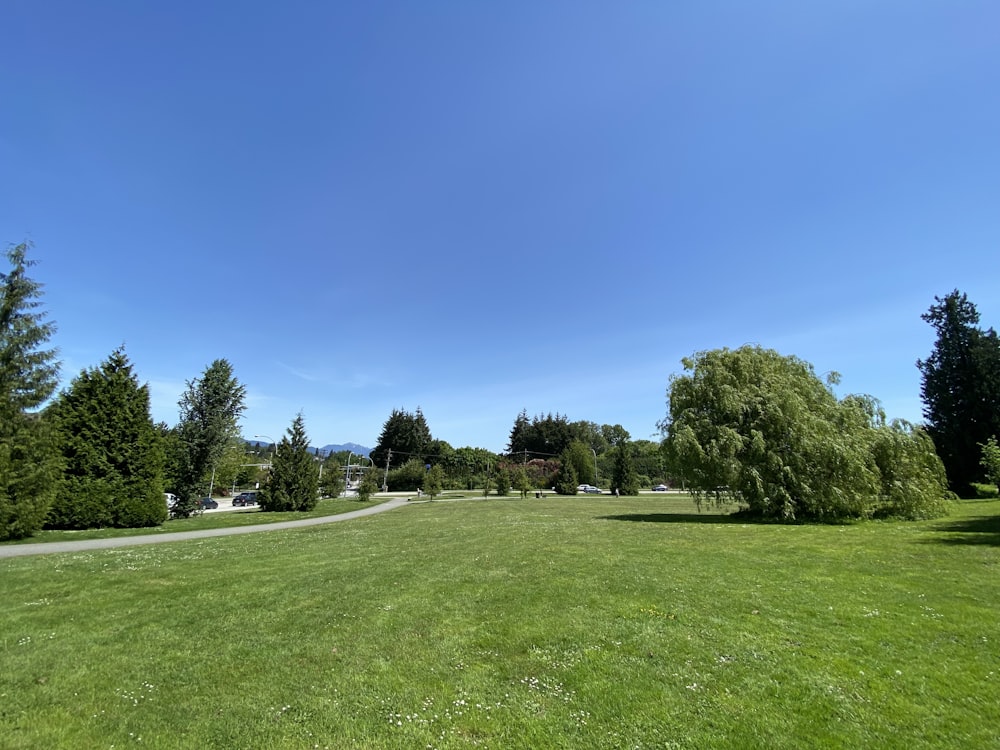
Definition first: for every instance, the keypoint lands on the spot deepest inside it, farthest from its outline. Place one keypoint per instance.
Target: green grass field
(583, 622)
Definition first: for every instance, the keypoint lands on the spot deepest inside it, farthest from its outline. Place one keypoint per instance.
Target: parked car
(660, 488)
(589, 489)
(245, 498)
(207, 503)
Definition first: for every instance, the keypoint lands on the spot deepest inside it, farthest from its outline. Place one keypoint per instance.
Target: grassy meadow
(584, 622)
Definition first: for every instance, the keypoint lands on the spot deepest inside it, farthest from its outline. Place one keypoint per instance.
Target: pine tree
(112, 453)
(29, 374)
(960, 388)
(406, 435)
(624, 478)
(210, 412)
(294, 482)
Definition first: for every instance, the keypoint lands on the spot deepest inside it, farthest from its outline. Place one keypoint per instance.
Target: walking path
(19, 550)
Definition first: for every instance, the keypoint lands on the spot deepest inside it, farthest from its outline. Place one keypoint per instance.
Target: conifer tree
(294, 481)
(624, 478)
(112, 453)
(960, 386)
(210, 413)
(29, 374)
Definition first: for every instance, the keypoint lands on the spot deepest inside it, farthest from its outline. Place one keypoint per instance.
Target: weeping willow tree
(759, 429)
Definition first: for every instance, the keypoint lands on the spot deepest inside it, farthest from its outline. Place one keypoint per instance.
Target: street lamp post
(274, 445)
(595, 464)
(347, 474)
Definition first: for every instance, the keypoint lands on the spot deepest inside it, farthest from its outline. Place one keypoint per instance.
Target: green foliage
(112, 452)
(760, 429)
(624, 477)
(406, 435)
(368, 486)
(582, 459)
(294, 481)
(542, 436)
(433, 481)
(210, 412)
(567, 480)
(960, 386)
(29, 373)
(521, 481)
(501, 481)
(408, 477)
(912, 481)
(990, 460)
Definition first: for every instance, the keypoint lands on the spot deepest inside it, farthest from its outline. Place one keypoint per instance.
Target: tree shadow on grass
(978, 530)
(677, 518)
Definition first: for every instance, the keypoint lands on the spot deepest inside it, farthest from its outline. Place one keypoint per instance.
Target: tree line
(748, 426)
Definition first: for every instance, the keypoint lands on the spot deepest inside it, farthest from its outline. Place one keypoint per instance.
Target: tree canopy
(960, 387)
(406, 435)
(760, 429)
(210, 407)
(29, 375)
(294, 481)
(112, 453)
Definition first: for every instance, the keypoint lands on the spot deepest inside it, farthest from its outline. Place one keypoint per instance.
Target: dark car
(207, 503)
(245, 498)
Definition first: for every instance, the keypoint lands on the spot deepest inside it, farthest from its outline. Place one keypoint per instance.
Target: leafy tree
(210, 412)
(433, 481)
(502, 481)
(229, 469)
(29, 374)
(990, 461)
(368, 486)
(521, 481)
(407, 477)
(960, 388)
(406, 435)
(580, 455)
(294, 482)
(112, 453)
(760, 429)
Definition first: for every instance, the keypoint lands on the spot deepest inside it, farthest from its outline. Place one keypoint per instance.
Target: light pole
(347, 474)
(595, 464)
(274, 445)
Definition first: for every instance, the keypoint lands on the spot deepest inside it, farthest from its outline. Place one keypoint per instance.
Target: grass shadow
(676, 518)
(983, 530)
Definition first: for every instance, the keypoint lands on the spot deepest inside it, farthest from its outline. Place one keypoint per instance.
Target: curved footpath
(20, 550)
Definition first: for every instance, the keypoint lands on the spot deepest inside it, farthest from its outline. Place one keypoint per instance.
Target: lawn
(584, 622)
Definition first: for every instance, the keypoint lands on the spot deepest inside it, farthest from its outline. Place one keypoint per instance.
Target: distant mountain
(357, 450)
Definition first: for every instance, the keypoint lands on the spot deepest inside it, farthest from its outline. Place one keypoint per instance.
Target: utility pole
(385, 481)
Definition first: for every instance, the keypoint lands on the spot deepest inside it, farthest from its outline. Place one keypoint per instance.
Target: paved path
(19, 550)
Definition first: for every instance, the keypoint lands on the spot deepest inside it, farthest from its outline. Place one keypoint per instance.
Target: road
(21, 550)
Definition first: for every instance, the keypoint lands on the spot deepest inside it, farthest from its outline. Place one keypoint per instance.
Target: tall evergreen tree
(406, 435)
(623, 477)
(29, 374)
(294, 481)
(960, 388)
(112, 453)
(210, 413)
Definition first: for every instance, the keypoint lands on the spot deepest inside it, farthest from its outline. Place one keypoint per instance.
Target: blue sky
(478, 208)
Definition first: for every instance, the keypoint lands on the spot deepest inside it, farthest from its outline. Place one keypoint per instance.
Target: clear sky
(478, 208)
